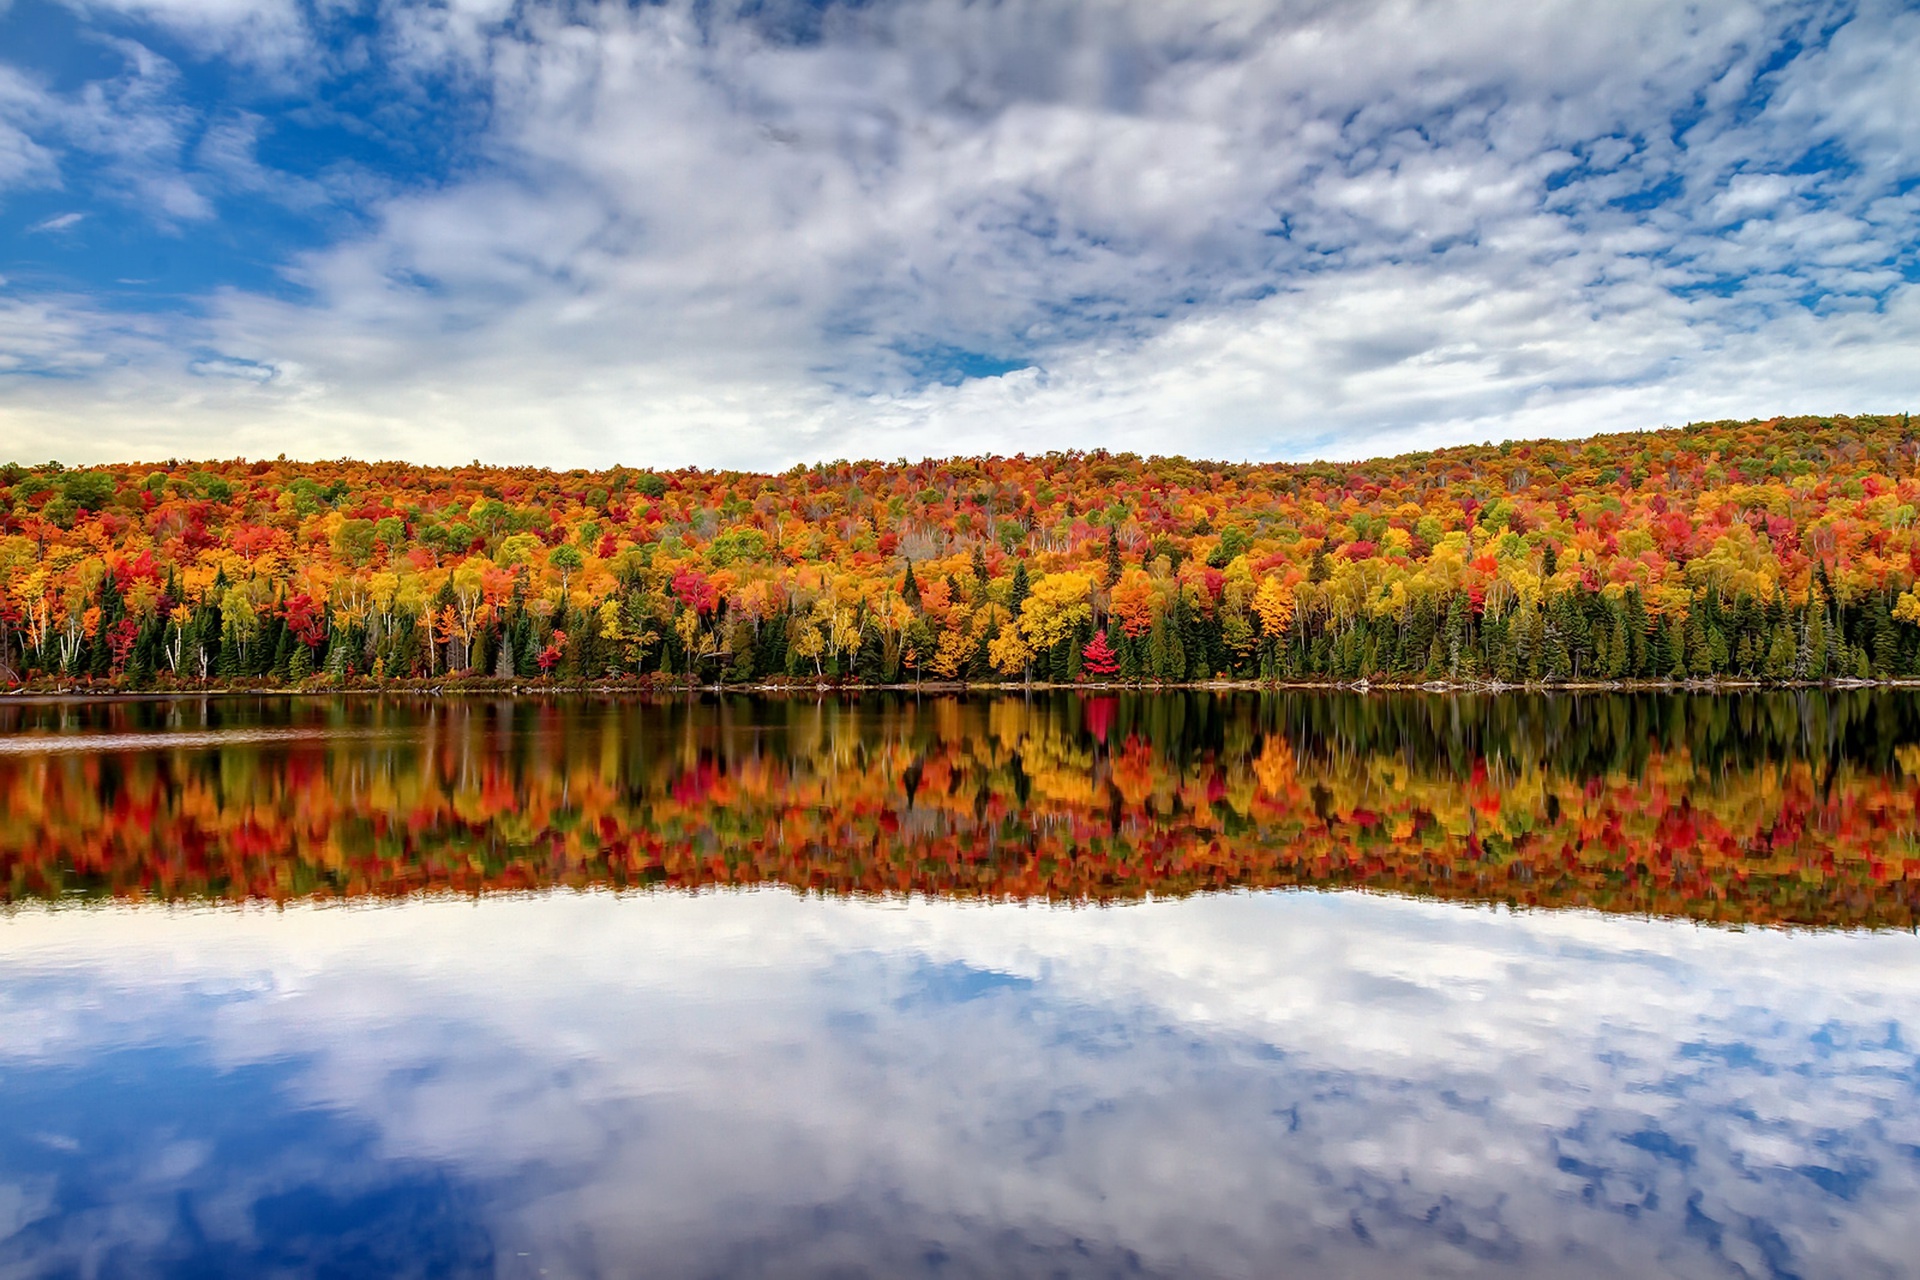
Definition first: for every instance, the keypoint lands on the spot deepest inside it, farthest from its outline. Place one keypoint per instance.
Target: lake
(1194, 984)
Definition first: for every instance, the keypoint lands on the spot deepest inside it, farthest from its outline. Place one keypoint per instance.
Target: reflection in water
(907, 1074)
(1799, 808)
(754, 1084)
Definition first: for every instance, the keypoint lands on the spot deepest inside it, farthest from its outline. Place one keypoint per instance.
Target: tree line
(1776, 551)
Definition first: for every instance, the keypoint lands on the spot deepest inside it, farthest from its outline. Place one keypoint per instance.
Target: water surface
(379, 986)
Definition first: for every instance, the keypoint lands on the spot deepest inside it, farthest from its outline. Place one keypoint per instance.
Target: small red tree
(1097, 659)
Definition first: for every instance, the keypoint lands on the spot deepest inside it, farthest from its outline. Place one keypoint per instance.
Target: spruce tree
(1779, 665)
(1811, 663)
(1560, 636)
(1885, 647)
(1619, 647)
(1022, 588)
(1641, 660)
(1459, 651)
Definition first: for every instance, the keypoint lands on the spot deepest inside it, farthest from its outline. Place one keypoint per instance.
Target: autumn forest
(1774, 551)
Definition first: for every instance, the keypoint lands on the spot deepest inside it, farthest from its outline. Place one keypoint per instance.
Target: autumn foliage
(1782, 808)
(1779, 551)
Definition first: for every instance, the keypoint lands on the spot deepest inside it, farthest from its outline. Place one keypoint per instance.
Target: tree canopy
(1780, 549)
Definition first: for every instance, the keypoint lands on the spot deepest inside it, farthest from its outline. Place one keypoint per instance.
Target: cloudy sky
(755, 232)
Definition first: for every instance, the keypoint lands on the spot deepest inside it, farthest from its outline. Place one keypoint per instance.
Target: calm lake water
(1188, 985)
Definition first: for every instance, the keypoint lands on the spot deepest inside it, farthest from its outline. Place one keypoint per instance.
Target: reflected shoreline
(1766, 808)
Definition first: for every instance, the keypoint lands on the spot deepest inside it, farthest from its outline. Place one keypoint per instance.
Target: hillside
(1780, 550)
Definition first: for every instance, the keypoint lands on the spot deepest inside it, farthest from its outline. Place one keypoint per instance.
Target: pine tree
(1811, 663)
(1717, 655)
(1560, 634)
(1641, 660)
(1459, 650)
(1160, 650)
(1779, 665)
(1699, 657)
(1060, 660)
(1619, 648)
(1885, 648)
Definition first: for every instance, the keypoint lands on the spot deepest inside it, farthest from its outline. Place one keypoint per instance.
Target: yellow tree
(1273, 605)
(1056, 606)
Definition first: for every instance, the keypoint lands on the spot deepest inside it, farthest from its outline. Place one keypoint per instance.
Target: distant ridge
(1776, 550)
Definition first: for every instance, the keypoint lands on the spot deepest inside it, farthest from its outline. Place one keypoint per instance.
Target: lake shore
(655, 686)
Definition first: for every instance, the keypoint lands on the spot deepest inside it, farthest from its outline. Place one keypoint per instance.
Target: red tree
(1097, 658)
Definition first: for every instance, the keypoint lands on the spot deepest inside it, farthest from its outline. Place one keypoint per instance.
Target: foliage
(1774, 551)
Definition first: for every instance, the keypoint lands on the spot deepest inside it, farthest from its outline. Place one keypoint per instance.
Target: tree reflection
(1780, 808)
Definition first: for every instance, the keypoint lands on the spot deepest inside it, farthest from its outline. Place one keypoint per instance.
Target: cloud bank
(750, 235)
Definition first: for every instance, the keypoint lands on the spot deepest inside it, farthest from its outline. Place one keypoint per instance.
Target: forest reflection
(1794, 807)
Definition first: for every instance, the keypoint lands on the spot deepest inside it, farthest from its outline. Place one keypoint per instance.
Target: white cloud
(59, 222)
(261, 34)
(1248, 230)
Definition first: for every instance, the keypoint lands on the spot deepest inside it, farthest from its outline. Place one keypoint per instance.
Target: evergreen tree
(1459, 644)
(282, 661)
(1717, 655)
(1811, 662)
(1641, 658)
(1560, 630)
(1885, 642)
(1060, 663)
(503, 663)
(1779, 664)
(1193, 642)
(1699, 657)
(920, 643)
(1619, 647)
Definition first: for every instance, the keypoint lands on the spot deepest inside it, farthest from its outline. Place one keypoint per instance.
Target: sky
(754, 233)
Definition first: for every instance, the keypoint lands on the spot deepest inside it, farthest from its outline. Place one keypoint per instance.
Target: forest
(1782, 808)
(1773, 551)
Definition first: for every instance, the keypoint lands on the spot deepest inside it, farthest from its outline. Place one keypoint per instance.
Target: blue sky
(753, 234)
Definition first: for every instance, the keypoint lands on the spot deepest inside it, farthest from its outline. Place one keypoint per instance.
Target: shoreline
(488, 686)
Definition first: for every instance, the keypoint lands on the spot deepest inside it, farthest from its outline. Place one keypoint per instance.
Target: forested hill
(1782, 550)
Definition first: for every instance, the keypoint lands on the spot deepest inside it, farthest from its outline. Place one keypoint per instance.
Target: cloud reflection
(751, 1083)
